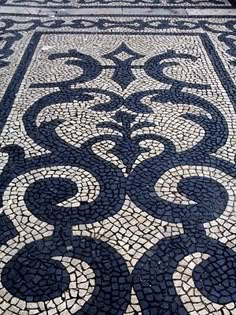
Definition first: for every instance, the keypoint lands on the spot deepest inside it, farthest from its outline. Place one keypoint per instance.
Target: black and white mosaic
(118, 175)
(122, 3)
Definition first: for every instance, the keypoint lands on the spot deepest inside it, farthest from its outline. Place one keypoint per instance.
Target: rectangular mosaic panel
(125, 3)
(118, 174)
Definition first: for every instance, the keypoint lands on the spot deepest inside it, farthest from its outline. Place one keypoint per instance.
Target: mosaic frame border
(232, 4)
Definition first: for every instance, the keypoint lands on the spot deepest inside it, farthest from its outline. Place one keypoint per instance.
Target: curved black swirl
(153, 274)
(33, 275)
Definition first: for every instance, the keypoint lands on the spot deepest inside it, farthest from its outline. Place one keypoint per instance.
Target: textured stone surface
(118, 176)
(114, 3)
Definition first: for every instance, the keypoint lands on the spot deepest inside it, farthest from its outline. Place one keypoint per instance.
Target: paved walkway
(118, 144)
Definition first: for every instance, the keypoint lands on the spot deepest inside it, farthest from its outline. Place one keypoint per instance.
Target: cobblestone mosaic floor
(123, 3)
(118, 175)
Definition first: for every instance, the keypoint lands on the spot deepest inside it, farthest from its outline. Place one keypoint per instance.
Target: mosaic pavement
(118, 176)
(115, 3)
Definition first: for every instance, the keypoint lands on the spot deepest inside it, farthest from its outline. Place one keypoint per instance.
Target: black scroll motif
(22, 278)
(152, 277)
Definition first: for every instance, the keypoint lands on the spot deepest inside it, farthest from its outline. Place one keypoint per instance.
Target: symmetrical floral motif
(118, 178)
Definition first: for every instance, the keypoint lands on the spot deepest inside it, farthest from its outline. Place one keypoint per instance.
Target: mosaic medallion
(118, 174)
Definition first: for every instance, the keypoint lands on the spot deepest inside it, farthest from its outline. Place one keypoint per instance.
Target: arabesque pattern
(118, 174)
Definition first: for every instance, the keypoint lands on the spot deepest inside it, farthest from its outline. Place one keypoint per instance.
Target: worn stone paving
(115, 3)
(118, 175)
